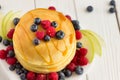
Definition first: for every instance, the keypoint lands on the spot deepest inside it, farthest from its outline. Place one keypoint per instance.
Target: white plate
(6, 74)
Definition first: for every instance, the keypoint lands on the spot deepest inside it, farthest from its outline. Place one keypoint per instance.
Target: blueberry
(12, 67)
(112, 2)
(112, 10)
(34, 28)
(79, 70)
(18, 66)
(89, 8)
(11, 43)
(24, 70)
(6, 42)
(19, 71)
(36, 41)
(67, 73)
(11, 53)
(23, 76)
(47, 38)
(37, 21)
(61, 75)
(16, 21)
(0, 6)
(79, 45)
(0, 38)
(54, 24)
(60, 34)
(76, 24)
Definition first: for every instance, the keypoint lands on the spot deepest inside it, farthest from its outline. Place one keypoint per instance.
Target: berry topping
(45, 24)
(31, 76)
(54, 24)
(0, 38)
(9, 48)
(60, 34)
(78, 34)
(52, 8)
(36, 41)
(11, 43)
(24, 70)
(37, 21)
(6, 42)
(83, 51)
(40, 35)
(61, 75)
(23, 76)
(19, 71)
(112, 10)
(112, 2)
(71, 67)
(67, 73)
(10, 33)
(11, 53)
(34, 28)
(16, 21)
(41, 77)
(89, 8)
(11, 61)
(47, 38)
(82, 61)
(12, 67)
(18, 66)
(68, 16)
(51, 31)
(76, 24)
(79, 45)
(79, 70)
(3, 54)
(53, 76)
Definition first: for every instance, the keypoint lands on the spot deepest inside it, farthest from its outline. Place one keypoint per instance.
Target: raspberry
(83, 52)
(10, 33)
(45, 24)
(53, 76)
(67, 16)
(11, 61)
(41, 77)
(3, 54)
(40, 35)
(78, 34)
(82, 61)
(51, 31)
(71, 67)
(9, 48)
(52, 8)
(31, 76)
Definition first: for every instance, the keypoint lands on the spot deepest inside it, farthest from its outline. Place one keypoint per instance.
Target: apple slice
(87, 43)
(5, 20)
(95, 42)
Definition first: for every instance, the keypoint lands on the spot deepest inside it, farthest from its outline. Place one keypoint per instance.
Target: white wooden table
(100, 21)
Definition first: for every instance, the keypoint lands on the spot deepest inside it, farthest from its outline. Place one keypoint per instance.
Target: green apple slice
(95, 42)
(5, 20)
(87, 43)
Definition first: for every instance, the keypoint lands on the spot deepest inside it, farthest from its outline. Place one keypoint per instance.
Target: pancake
(46, 57)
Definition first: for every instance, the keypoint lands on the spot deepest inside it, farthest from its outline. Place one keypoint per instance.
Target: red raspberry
(10, 33)
(45, 24)
(11, 61)
(52, 8)
(40, 35)
(53, 76)
(78, 34)
(3, 54)
(67, 16)
(74, 60)
(83, 52)
(82, 61)
(71, 67)
(9, 48)
(31, 76)
(51, 31)
(41, 77)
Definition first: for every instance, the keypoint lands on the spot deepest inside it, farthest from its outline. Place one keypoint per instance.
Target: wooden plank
(105, 24)
(64, 6)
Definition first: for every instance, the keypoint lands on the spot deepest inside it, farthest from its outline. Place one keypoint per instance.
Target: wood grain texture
(105, 24)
